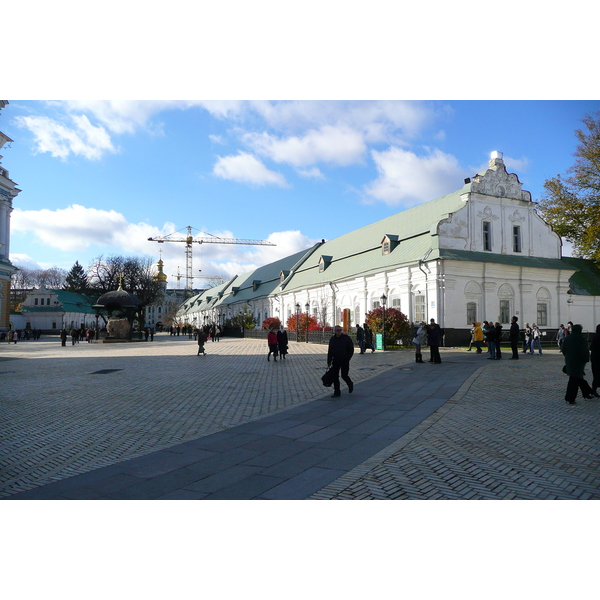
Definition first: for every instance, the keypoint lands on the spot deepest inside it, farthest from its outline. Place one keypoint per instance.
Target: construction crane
(178, 276)
(208, 238)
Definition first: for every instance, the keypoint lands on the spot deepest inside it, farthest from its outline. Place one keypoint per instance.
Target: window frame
(471, 310)
(487, 235)
(517, 245)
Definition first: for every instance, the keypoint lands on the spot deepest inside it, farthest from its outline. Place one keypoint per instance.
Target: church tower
(160, 275)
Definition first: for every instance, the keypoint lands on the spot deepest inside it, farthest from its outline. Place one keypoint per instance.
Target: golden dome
(160, 276)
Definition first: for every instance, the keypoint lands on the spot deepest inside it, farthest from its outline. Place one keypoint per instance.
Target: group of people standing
(278, 343)
(432, 334)
(364, 338)
(489, 334)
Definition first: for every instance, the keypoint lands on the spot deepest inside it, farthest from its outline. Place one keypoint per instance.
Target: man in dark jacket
(513, 336)
(434, 339)
(339, 354)
(577, 354)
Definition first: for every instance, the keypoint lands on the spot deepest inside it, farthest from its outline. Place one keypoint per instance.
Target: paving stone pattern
(60, 417)
(506, 434)
(162, 423)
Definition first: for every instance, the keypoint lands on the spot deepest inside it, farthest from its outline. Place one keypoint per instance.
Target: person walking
(434, 338)
(419, 340)
(369, 338)
(202, 337)
(272, 343)
(217, 333)
(63, 337)
(282, 342)
(498, 329)
(360, 338)
(339, 353)
(595, 361)
(471, 342)
(561, 334)
(477, 336)
(577, 354)
(513, 336)
(536, 339)
(490, 336)
(527, 339)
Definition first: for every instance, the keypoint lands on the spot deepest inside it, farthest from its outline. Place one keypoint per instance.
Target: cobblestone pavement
(239, 426)
(506, 434)
(68, 410)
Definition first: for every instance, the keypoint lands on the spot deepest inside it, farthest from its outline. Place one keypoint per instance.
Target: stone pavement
(152, 420)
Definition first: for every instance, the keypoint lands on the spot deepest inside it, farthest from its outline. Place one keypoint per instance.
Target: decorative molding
(487, 214)
(516, 217)
(498, 183)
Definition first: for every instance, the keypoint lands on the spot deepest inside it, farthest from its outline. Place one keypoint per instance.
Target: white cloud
(408, 179)
(516, 165)
(122, 116)
(335, 145)
(110, 233)
(312, 173)
(24, 261)
(82, 138)
(217, 139)
(246, 168)
(76, 228)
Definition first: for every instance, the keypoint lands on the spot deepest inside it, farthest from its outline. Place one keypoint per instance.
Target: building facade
(480, 253)
(8, 191)
(52, 310)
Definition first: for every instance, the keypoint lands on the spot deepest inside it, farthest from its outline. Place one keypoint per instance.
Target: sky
(101, 177)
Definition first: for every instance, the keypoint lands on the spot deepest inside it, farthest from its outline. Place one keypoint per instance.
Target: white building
(8, 191)
(51, 310)
(479, 253)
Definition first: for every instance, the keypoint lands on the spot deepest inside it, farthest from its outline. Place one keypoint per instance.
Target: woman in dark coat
(577, 354)
(272, 343)
(282, 342)
(595, 360)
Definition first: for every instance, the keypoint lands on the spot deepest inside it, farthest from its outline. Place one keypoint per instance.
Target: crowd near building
(480, 253)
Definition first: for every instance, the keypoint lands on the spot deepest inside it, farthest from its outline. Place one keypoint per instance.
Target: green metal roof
(360, 253)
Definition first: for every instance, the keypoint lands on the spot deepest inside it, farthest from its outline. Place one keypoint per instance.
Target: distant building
(162, 312)
(51, 310)
(8, 191)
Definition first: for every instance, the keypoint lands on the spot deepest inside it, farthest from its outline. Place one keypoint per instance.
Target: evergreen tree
(572, 204)
(76, 280)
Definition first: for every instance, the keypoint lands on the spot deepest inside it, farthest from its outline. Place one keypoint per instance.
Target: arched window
(543, 307)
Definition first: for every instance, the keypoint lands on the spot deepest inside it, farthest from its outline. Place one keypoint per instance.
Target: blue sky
(375, 110)
(100, 177)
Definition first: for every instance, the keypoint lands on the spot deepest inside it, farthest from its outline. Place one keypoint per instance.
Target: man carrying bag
(341, 349)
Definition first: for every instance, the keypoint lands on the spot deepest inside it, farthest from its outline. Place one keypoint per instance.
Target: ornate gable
(497, 182)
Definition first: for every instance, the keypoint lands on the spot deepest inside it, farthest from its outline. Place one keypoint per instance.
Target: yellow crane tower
(208, 238)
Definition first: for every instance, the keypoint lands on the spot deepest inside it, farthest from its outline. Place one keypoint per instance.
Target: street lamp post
(383, 303)
(307, 307)
(297, 318)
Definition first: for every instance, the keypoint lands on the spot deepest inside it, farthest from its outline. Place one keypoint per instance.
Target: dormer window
(283, 275)
(255, 284)
(324, 262)
(388, 243)
(234, 290)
